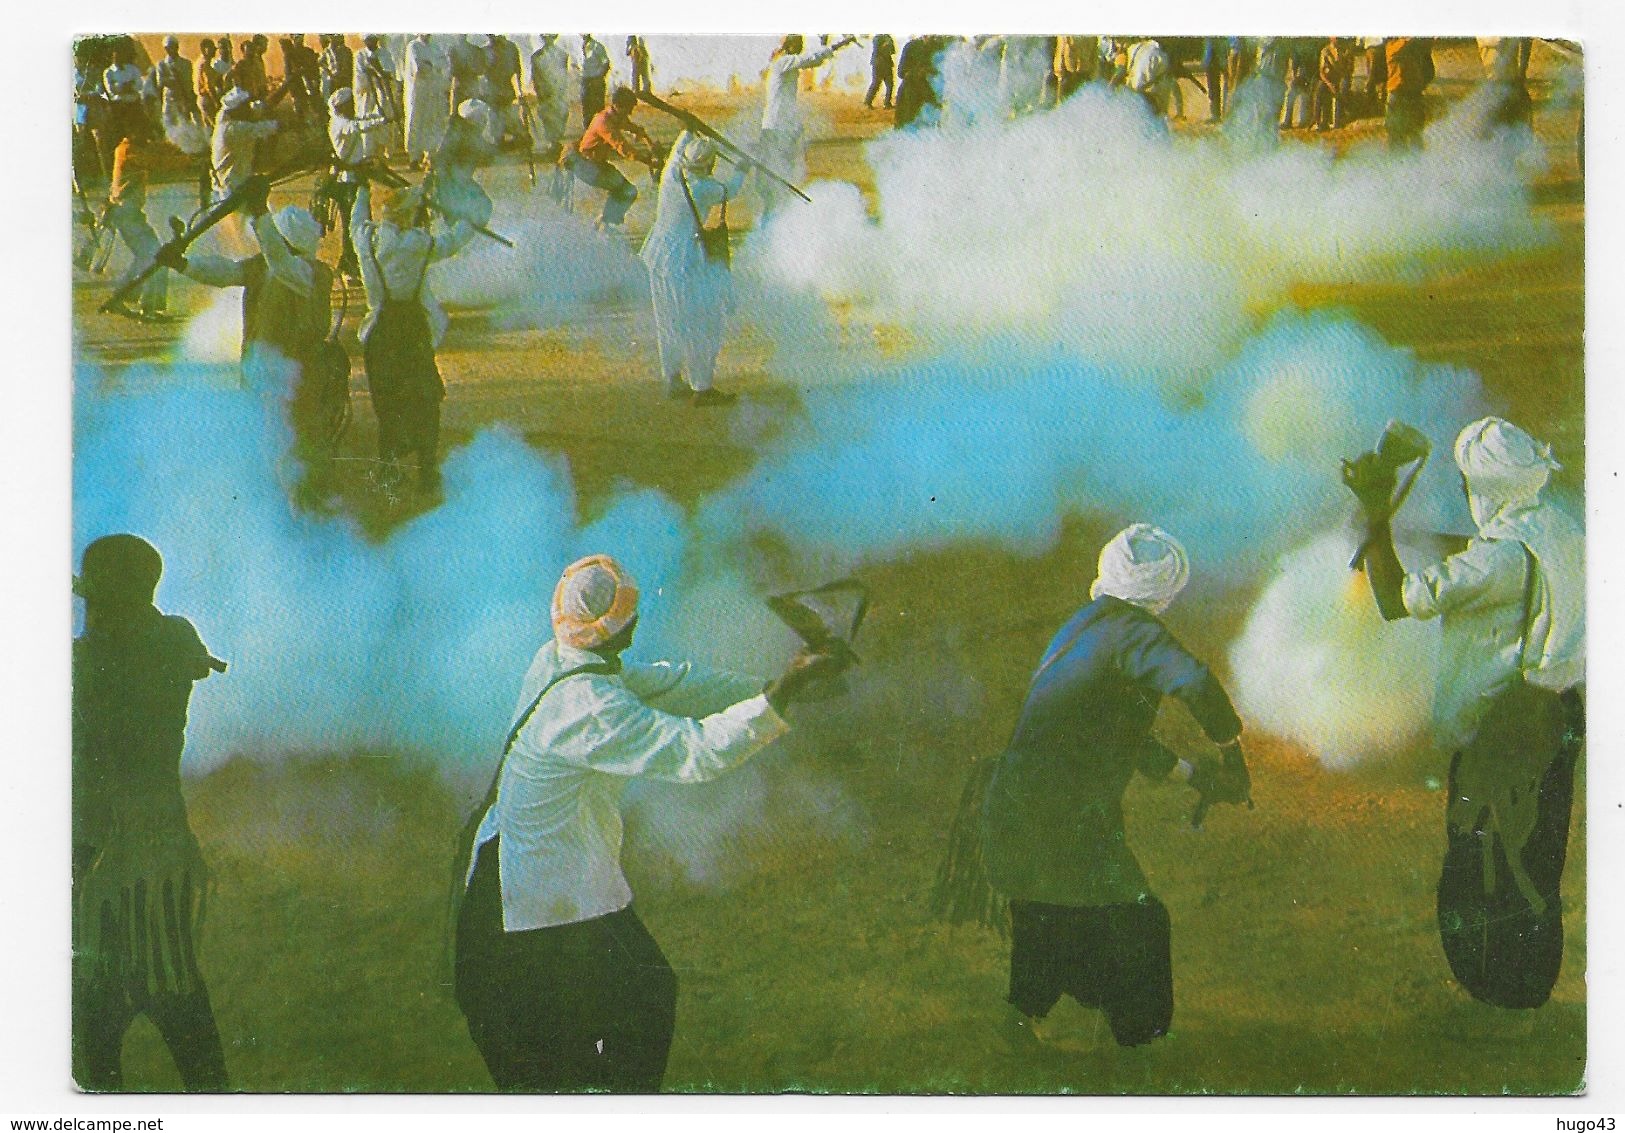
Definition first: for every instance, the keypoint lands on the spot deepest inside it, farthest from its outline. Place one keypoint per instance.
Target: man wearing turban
(562, 986)
(1507, 705)
(1083, 918)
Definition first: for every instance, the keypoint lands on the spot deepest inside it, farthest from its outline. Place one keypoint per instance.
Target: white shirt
(232, 151)
(122, 83)
(1480, 595)
(349, 136)
(782, 111)
(594, 60)
(558, 800)
(394, 262)
(1147, 65)
(550, 68)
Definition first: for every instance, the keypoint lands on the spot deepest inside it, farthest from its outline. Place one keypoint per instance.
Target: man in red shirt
(612, 134)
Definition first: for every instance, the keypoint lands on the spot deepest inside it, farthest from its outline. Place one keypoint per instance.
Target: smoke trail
(415, 644)
(1003, 445)
(560, 272)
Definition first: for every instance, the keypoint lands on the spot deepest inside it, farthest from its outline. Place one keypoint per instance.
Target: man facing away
(562, 985)
(1084, 920)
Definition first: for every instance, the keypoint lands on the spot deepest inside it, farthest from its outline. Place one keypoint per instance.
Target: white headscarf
(1144, 565)
(693, 150)
(1506, 469)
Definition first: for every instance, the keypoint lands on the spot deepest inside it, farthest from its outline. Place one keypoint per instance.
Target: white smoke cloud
(1316, 663)
(1093, 229)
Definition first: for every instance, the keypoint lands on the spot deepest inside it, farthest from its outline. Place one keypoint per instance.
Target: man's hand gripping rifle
(249, 197)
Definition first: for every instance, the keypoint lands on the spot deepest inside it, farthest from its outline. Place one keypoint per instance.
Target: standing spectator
(1506, 70)
(1336, 82)
(550, 71)
(121, 87)
(428, 98)
(1077, 61)
(172, 78)
(337, 65)
(1150, 74)
(301, 70)
(1242, 58)
(1302, 76)
(1376, 74)
(209, 83)
(375, 93)
(1410, 71)
(249, 71)
(594, 78)
(882, 58)
(507, 79)
(637, 57)
(472, 63)
(1216, 69)
(919, 82)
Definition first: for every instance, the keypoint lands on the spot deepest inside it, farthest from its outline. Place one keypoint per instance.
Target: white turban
(1144, 565)
(301, 230)
(235, 98)
(1505, 468)
(694, 150)
(339, 97)
(594, 600)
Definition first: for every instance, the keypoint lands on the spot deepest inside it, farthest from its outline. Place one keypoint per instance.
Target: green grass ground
(1305, 952)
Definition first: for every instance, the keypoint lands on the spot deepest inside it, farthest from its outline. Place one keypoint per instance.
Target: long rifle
(431, 201)
(530, 139)
(698, 125)
(186, 235)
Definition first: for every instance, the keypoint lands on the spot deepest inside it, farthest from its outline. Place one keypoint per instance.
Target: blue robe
(1053, 817)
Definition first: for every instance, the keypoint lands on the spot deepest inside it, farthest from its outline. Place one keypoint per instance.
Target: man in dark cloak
(138, 876)
(1084, 920)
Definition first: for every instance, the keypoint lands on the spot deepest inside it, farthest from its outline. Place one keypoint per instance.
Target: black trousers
(880, 78)
(406, 387)
(1113, 957)
(584, 1006)
(1500, 948)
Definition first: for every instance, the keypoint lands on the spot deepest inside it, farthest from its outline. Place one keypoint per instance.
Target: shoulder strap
(1531, 569)
(524, 717)
(693, 210)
